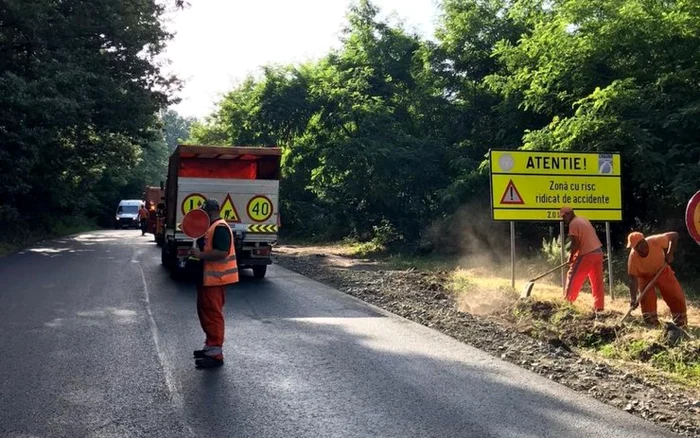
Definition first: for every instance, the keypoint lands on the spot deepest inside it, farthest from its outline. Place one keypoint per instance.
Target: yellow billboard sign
(534, 185)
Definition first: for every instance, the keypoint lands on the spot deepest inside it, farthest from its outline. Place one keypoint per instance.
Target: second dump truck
(245, 181)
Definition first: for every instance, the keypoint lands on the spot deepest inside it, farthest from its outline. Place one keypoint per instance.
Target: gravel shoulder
(425, 298)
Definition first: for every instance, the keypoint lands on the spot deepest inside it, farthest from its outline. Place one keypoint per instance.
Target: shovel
(530, 284)
(640, 296)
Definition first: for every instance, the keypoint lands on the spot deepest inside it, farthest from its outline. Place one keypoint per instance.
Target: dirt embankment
(540, 336)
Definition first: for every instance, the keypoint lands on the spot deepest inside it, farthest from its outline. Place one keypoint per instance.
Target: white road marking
(175, 395)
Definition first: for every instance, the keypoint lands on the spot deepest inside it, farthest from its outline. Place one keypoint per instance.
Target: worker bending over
(585, 259)
(648, 256)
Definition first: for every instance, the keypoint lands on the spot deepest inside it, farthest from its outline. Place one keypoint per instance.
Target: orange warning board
(511, 195)
(228, 210)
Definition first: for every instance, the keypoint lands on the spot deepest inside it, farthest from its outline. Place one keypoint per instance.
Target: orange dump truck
(245, 181)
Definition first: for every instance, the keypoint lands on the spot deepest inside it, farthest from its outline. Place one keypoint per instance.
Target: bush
(551, 250)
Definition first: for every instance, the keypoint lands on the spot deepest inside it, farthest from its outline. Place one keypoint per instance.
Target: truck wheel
(259, 271)
(164, 256)
(167, 257)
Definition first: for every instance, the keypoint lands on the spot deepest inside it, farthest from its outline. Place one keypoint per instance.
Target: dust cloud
(482, 280)
(471, 233)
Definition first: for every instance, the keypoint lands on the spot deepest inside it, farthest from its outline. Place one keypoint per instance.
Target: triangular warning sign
(228, 210)
(511, 195)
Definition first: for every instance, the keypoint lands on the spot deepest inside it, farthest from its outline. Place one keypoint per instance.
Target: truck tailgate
(249, 206)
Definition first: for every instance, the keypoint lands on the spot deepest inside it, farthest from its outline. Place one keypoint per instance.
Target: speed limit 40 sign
(259, 208)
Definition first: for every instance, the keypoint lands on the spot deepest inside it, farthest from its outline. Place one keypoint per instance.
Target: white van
(127, 213)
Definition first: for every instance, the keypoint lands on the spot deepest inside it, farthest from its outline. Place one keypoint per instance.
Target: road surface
(97, 342)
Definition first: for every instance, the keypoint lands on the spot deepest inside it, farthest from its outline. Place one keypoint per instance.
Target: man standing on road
(143, 219)
(647, 257)
(585, 259)
(218, 256)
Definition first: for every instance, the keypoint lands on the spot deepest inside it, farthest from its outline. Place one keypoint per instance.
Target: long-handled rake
(530, 284)
(641, 295)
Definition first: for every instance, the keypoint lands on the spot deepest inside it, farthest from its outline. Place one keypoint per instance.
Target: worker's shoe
(596, 314)
(200, 354)
(208, 362)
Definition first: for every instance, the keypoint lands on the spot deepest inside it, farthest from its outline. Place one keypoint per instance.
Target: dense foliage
(388, 134)
(383, 138)
(80, 94)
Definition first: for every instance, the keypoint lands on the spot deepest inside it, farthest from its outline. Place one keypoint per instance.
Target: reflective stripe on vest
(224, 271)
(221, 274)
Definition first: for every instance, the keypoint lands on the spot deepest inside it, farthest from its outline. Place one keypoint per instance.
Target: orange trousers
(671, 293)
(210, 309)
(587, 266)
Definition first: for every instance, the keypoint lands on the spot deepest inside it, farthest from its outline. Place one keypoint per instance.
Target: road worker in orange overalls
(143, 219)
(217, 253)
(585, 260)
(647, 256)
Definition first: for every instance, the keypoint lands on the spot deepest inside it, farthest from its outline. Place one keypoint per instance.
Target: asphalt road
(97, 342)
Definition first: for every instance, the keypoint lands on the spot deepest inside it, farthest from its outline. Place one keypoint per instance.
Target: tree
(616, 76)
(175, 128)
(79, 92)
(355, 127)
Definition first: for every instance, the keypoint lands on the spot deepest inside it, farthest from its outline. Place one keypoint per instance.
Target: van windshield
(127, 209)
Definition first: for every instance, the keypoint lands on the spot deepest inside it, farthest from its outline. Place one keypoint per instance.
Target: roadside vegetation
(82, 112)
(385, 138)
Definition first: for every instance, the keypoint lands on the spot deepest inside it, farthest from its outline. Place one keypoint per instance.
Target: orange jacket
(220, 272)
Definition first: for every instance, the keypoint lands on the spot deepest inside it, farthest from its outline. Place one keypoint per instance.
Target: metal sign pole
(563, 256)
(610, 271)
(512, 254)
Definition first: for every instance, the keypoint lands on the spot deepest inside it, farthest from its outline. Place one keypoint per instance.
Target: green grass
(366, 249)
(462, 284)
(680, 363)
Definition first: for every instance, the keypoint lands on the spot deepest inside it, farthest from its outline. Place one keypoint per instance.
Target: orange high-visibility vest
(224, 271)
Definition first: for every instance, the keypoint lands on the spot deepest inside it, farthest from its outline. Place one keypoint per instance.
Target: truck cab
(245, 181)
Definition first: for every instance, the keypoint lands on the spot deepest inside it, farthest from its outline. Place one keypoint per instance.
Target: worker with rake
(649, 265)
(585, 259)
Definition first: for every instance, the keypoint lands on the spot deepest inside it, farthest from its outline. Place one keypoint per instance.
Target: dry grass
(482, 281)
(488, 292)
(494, 284)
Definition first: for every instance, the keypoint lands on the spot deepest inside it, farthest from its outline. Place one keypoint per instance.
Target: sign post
(608, 242)
(562, 240)
(534, 185)
(512, 254)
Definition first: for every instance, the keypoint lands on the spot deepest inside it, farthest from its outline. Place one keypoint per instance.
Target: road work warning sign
(533, 185)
